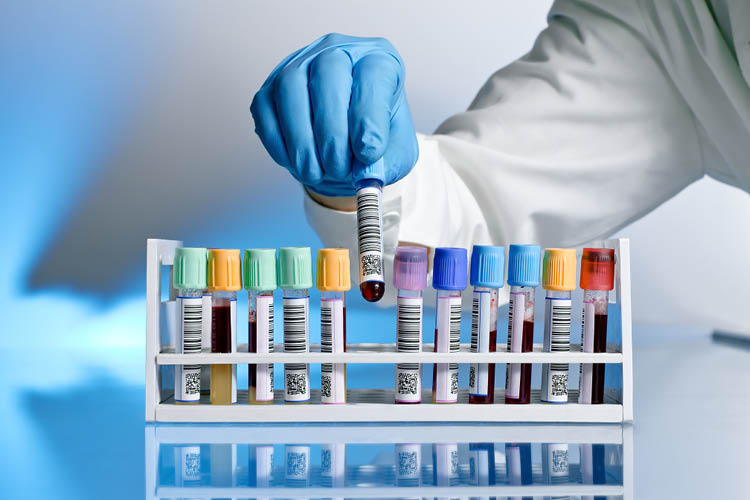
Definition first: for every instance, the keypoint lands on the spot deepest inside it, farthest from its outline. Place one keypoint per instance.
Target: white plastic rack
(376, 404)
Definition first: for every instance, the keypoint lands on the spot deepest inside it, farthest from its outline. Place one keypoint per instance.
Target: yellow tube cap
(224, 270)
(559, 269)
(333, 270)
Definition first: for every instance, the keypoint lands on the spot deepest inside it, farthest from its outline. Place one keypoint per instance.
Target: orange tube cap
(224, 270)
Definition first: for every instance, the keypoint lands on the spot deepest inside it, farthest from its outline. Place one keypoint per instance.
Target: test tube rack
(376, 404)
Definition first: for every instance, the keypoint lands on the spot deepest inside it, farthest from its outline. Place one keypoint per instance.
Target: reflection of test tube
(597, 279)
(523, 278)
(260, 466)
(593, 470)
(518, 464)
(445, 464)
(260, 282)
(448, 278)
(333, 464)
(187, 465)
(189, 278)
(408, 458)
(297, 465)
(333, 282)
(295, 279)
(369, 180)
(223, 464)
(558, 278)
(482, 464)
(410, 279)
(224, 280)
(487, 276)
(555, 468)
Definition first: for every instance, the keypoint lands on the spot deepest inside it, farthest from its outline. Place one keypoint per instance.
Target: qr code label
(559, 384)
(192, 466)
(473, 377)
(193, 382)
(296, 384)
(559, 461)
(372, 265)
(325, 461)
(407, 463)
(454, 382)
(407, 383)
(296, 464)
(325, 386)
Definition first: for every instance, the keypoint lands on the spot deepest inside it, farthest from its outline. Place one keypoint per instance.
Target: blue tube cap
(523, 265)
(449, 269)
(487, 266)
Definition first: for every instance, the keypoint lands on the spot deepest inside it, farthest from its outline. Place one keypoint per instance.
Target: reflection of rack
(381, 478)
(370, 405)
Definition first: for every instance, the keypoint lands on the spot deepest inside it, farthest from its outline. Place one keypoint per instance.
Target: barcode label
(409, 339)
(264, 343)
(516, 312)
(408, 462)
(555, 468)
(448, 340)
(586, 370)
(297, 461)
(296, 339)
(556, 339)
(480, 341)
(369, 228)
(188, 377)
(333, 375)
(190, 463)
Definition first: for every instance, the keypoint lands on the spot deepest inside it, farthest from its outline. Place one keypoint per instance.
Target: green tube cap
(295, 268)
(259, 271)
(190, 268)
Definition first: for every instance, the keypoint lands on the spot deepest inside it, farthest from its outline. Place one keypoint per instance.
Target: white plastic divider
(376, 405)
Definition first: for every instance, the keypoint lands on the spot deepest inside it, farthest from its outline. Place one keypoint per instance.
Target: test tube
(445, 464)
(518, 465)
(487, 276)
(523, 278)
(260, 281)
(408, 457)
(482, 464)
(448, 278)
(224, 280)
(297, 465)
(260, 466)
(295, 280)
(597, 279)
(333, 465)
(189, 279)
(369, 180)
(333, 282)
(559, 279)
(555, 468)
(410, 279)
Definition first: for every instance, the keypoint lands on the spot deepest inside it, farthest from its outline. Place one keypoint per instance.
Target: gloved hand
(334, 105)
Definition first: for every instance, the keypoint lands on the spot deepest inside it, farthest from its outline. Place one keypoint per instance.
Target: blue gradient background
(126, 120)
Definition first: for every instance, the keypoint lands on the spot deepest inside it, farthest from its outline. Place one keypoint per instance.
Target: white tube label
(332, 375)
(189, 463)
(480, 342)
(448, 340)
(556, 339)
(585, 385)
(408, 462)
(263, 469)
(370, 233)
(296, 339)
(409, 339)
(555, 466)
(445, 462)
(264, 345)
(517, 310)
(297, 463)
(189, 333)
(333, 463)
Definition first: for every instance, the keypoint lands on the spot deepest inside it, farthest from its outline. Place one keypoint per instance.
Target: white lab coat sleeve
(566, 145)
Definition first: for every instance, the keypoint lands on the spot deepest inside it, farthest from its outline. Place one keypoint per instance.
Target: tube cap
(190, 268)
(224, 270)
(449, 269)
(259, 269)
(559, 269)
(523, 265)
(333, 270)
(487, 266)
(295, 268)
(410, 268)
(598, 269)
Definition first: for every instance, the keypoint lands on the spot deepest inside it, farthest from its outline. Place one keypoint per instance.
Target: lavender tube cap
(410, 268)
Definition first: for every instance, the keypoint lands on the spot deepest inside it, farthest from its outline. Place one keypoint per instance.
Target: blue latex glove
(335, 105)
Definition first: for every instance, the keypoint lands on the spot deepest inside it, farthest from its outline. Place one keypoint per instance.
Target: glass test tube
(260, 282)
(487, 276)
(523, 276)
(224, 279)
(206, 340)
(558, 278)
(189, 279)
(597, 278)
(448, 278)
(295, 279)
(370, 237)
(410, 279)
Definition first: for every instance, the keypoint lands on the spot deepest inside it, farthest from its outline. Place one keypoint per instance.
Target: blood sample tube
(369, 180)
(410, 279)
(260, 281)
(487, 276)
(448, 278)
(189, 279)
(333, 282)
(224, 280)
(559, 279)
(523, 278)
(295, 279)
(597, 279)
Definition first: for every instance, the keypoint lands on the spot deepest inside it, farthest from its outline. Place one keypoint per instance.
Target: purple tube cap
(410, 268)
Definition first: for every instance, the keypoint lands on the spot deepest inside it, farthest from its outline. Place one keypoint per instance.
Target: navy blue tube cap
(524, 263)
(449, 269)
(487, 266)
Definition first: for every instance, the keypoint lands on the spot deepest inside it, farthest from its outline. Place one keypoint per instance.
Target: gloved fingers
(295, 121)
(375, 83)
(330, 89)
(403, 149)
(267, 126)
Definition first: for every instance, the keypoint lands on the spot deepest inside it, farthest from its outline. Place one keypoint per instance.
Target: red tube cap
(598, 269)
